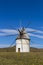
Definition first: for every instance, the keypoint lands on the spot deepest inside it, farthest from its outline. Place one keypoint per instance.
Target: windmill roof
(24, 36)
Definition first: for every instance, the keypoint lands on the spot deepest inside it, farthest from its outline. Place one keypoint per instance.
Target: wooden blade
(12, 43)
(28, 24)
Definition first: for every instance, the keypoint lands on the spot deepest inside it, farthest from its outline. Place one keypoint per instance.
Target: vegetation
(12, 58)
(13, 49)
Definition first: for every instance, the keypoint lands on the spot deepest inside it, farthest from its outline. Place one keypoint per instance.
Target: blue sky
(12, 12)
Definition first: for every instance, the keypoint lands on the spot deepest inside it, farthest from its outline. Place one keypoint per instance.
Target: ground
(13, 58)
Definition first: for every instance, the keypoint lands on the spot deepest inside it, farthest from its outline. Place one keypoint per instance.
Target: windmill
(22, 41)
(23, 37)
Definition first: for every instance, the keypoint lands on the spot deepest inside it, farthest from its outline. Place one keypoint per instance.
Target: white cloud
(34, 35)
(36, 31)
(5, 32)
(9, 31)
(12, 32)
(37, 45)
(4, 45)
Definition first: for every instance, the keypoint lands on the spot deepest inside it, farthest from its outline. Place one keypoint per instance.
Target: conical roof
(24, 36)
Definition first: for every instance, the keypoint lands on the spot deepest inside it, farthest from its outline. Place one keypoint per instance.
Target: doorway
(18, 49)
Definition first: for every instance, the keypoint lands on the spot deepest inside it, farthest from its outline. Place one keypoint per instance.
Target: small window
(18, 49)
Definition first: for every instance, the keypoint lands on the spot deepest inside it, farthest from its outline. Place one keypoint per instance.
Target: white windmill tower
(22, 41)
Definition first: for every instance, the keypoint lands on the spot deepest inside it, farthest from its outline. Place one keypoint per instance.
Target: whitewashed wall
(24, 46)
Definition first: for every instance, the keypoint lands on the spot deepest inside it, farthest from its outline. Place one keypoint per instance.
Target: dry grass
(13, 58)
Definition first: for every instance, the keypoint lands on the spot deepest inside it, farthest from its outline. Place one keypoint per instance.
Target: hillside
(13, 49)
